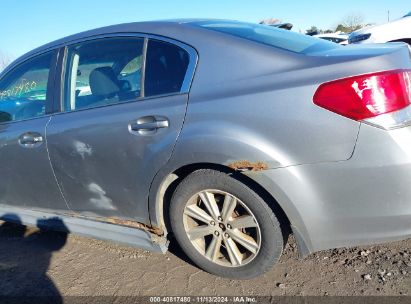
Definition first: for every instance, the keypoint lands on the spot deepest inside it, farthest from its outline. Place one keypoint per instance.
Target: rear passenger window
(166, 67)
(103, 72)
(23, 91)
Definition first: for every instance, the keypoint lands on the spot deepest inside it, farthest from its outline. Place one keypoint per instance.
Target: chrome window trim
(189, 77)
(185, 88)
(143, 70)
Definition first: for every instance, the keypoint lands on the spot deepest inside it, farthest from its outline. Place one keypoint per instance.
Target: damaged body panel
(26, 178)
(120, 128)
(133, 224)
(70, 223)
(110, 175)
(245, 165)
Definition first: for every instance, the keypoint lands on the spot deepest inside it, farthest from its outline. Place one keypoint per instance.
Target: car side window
(166, 67)
(23, 91)
(103, 72)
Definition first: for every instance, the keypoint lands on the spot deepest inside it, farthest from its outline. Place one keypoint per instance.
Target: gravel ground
(33, 262)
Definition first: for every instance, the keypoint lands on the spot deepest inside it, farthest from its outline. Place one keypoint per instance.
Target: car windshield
(269, 35)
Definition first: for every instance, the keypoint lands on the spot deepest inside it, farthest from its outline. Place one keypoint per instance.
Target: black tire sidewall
(271, 235)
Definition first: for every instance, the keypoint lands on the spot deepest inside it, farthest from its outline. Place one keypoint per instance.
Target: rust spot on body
(116, 221)
(133, 224)
(245, 165)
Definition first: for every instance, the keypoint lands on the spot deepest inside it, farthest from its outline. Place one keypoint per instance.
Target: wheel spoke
(197, 213)
(222, 228)
(213, 249)
(244, 240)
(209, 201)
(233, 252)
(228, 207)
(199, 232)
(245, 221)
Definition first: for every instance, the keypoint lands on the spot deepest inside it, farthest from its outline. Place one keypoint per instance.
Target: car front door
(26, 94)
(124, 104)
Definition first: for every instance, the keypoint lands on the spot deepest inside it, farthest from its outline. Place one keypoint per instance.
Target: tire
(197, 190)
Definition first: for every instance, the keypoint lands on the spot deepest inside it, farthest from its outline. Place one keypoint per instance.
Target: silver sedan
(221, 135)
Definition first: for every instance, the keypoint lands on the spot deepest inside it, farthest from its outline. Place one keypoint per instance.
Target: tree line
(347, 25)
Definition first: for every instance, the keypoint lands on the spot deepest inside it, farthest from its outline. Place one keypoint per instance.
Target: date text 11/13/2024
(203, 299)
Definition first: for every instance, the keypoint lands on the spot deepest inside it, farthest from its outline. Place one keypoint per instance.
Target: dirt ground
(48, 263)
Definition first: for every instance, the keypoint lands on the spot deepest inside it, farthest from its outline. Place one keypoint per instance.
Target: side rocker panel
(95, 229)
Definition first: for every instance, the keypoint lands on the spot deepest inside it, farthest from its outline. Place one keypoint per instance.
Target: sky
(26, 24)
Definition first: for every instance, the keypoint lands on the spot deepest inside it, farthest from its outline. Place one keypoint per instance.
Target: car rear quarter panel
(255, 104)
(252, 102)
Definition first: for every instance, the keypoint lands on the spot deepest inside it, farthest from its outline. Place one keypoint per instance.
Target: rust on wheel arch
(245, 165)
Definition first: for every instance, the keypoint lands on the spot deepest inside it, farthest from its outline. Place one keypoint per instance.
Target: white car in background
(396, 31)
(334, 37)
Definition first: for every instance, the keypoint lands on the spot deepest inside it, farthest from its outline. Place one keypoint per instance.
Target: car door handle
(158, 124)
(30, 140)
(148, 125)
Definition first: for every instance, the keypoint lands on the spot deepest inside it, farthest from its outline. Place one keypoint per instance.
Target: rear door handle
(148, 125)
(30, 140)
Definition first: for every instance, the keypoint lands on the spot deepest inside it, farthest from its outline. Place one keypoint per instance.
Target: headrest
(103, 82)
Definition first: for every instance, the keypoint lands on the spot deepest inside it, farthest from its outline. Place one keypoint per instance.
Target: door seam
(51, 165)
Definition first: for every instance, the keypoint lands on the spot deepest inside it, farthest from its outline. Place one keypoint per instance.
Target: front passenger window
(23, 91)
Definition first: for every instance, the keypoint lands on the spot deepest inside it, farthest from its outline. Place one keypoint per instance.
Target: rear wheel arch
(165, 184)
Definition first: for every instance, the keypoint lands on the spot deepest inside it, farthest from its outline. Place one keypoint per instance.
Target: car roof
(168, 28)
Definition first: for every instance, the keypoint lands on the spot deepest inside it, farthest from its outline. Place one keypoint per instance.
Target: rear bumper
(364, 200)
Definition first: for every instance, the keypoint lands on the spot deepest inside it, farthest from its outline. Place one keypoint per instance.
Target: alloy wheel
(222, 228)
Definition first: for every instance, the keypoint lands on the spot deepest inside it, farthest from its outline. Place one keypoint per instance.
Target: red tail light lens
(366, 96)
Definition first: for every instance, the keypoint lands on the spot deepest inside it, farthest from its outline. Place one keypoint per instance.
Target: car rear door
(123, 107)
(26, 97)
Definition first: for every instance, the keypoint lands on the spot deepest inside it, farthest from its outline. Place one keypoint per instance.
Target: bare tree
(5, 60)
(352, 23)
(269, 21)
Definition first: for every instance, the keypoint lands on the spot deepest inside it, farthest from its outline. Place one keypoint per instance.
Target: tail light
(381, 99)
